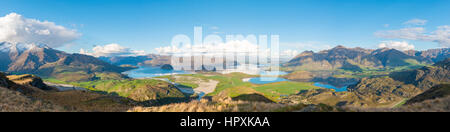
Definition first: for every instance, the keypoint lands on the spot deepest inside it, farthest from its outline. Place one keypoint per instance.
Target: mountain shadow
(425, 77)
(435, 92)
(253, 98)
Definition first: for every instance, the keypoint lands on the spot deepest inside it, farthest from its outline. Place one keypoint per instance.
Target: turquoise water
(266, 80)
(147, 72)
(272, 73)
(318, 84)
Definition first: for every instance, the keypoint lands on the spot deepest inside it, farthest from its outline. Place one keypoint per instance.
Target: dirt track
(207, 87)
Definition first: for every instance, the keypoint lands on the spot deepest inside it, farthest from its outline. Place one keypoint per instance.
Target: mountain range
(357, 59)
(22, 58)
(39, 59)
(147, 60)
(434, 55)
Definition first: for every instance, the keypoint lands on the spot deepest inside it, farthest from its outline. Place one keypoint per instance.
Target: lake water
(148, 72)
(266, 80)
(272, 73)
(342, 89)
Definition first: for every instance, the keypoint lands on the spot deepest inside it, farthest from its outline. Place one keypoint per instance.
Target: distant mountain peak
(305, 53)
(21, 47)
(340, 47)
(341, 57)
(382, 50)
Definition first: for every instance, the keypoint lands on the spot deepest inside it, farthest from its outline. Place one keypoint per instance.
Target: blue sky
(148, 24)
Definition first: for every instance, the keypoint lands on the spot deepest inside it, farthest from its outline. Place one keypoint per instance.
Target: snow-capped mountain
(24, 57)
(45, 61)
(20, 47)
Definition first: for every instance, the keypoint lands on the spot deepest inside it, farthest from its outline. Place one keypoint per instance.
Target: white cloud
(15, 28)
(241, 47)
(228, 47)
(405, 33)
(112, 50)
(441, 35)
(308, 46)
(399, 45)
(215, 28)
(416, 22)
(289, 54)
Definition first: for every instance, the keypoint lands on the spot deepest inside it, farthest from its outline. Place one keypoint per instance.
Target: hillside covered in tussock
(12, 101)
(436, 99)
(28, 93)
(226, 104)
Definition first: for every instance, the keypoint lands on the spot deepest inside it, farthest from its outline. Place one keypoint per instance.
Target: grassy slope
(233, 86)
(187, 82)
(225, 81)
(136, 89)
(87, 101)
(12, 101)
(226, 105)
(275, 90)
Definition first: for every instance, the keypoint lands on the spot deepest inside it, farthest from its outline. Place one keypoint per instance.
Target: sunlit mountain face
(39, 59)
(20, 47)
(224, 56)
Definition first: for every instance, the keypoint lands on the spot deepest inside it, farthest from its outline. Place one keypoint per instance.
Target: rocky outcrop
(3, 80)
(29, 80)
(439, 91)
(167, 67)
